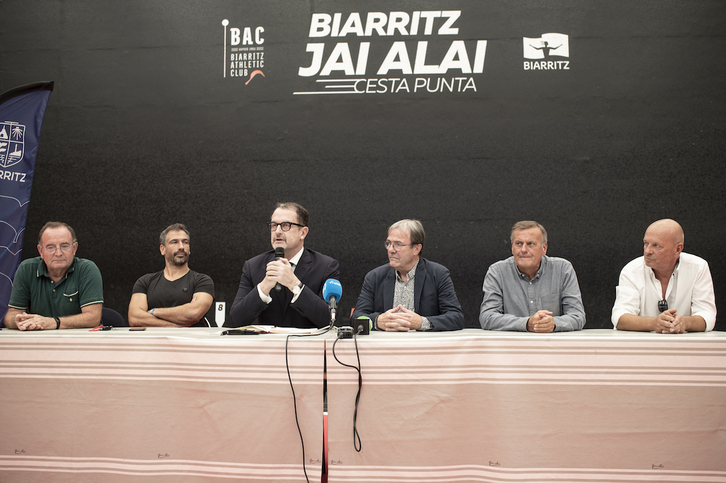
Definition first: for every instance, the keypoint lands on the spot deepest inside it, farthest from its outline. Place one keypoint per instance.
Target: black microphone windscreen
(279, 253)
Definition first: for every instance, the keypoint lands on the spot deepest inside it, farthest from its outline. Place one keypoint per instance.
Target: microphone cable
(292, 388)
(357, 445)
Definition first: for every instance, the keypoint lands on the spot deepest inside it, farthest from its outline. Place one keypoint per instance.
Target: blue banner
(21, 117)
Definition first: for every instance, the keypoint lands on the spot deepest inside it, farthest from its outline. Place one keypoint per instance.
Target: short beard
(179, 261)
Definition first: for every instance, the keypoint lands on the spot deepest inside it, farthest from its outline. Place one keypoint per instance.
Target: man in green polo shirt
(56, 290)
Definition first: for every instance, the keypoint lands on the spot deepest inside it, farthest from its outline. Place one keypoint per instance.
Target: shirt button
(531, 301)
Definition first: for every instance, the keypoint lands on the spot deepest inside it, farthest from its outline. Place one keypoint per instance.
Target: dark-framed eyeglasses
(662, 305)
(284, 226)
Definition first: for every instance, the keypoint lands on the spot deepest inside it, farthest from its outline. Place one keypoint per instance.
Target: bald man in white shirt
(666, 290)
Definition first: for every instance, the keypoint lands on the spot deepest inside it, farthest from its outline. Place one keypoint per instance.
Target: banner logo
(354, 54)
(12, 143)
(19, 139)
(550, 48)
(244, 53)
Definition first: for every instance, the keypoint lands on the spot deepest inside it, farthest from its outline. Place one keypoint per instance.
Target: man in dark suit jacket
(410, 292)
(301, 274)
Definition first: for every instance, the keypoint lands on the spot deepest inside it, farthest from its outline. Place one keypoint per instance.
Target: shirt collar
(673, 275)
(409, 276)
(296, 259)
(42, 270)
(540, 271)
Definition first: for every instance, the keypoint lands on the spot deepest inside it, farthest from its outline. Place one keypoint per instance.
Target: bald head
(667, 228)
(662, 245)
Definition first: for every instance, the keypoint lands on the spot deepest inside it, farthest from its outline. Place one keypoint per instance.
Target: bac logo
(246, 57)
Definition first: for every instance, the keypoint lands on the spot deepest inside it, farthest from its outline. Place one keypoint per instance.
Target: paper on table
(271, 329)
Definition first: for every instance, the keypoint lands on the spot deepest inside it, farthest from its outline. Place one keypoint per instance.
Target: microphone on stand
(332, 290)
(279, 253)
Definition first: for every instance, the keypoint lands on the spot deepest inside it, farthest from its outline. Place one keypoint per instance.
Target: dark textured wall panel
(143, 130)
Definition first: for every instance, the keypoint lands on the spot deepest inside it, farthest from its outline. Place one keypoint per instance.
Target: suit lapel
(303, 265)
(301, 269)
(389, 286)
(418, 284)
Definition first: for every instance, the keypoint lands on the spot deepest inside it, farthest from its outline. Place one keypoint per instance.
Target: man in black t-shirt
(175, 296)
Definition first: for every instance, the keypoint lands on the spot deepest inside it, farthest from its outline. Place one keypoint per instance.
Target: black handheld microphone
(279, 253)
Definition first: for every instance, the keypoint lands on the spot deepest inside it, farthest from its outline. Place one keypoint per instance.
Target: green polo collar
(42, 270)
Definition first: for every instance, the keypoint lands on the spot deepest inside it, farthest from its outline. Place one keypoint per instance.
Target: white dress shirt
(689, 291)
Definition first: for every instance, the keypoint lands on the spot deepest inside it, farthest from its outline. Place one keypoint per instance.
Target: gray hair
(414, 228)
(526, 225)
(57, 224)
(174, 227)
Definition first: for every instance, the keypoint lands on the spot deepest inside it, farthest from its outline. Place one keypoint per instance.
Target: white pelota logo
(546, 46)
(12, 143)
(547, 52)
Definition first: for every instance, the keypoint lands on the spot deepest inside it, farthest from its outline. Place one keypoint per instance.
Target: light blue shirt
(511, 298)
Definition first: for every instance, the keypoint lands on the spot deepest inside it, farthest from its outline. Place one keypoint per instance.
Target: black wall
(147, 128)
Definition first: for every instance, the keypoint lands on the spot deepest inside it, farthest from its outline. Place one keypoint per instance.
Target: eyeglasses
(662, 305)
(284, 226)
(396, 246)
(65, 248)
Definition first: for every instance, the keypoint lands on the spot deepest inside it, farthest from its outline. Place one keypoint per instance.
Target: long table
(164, 405)
(596, 405)
(190, 405)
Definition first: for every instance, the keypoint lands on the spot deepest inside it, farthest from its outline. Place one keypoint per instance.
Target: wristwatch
(297, 289)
